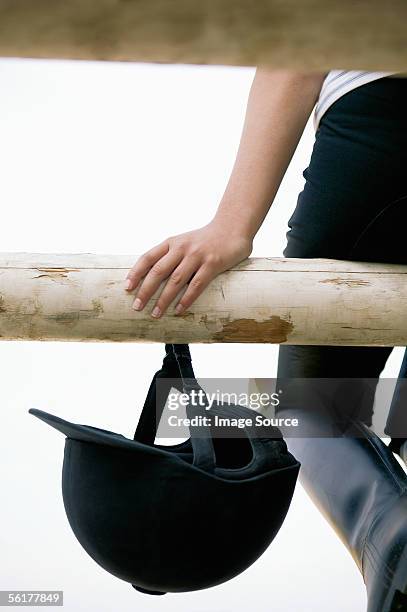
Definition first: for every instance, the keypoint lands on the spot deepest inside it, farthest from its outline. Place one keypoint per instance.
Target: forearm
(279, 105)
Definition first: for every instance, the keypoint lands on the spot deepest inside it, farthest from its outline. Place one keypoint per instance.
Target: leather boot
(360, 488)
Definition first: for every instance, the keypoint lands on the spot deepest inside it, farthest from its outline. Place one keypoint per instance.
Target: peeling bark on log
(262, 300)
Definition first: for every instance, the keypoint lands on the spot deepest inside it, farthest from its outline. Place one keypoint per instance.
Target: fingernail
(127, 284)
(137, 304)
(156, 312)
(179, 308)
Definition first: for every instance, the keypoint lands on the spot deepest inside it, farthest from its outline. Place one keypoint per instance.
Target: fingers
(178, 279)
(179, 263)
(196, 286)
(144, 263)
(158, 272)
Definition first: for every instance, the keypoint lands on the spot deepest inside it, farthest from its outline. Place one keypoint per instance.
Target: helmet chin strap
(177, 372)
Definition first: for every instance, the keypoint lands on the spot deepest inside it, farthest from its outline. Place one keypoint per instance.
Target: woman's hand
(192, 258)
(279, 105)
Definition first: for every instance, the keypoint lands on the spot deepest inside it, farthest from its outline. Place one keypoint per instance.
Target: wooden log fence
(306, 34)
(81, 297)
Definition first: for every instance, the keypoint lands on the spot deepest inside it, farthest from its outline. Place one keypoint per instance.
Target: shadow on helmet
(175, 518)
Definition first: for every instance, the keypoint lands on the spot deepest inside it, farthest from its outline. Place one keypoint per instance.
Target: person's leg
(352, 178)
(353, 206)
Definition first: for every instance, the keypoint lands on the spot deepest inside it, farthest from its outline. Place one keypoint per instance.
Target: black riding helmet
(175, 518)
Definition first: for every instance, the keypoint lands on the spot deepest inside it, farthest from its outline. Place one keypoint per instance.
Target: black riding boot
(358, 485)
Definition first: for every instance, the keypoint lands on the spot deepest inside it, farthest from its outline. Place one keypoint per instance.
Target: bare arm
(279, 105)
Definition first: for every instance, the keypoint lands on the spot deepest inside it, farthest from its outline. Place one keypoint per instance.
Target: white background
(112, 158)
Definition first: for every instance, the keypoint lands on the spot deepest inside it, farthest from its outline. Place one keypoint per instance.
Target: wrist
(232, 224)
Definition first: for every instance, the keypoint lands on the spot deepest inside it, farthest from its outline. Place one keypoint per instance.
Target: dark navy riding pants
(354, 206)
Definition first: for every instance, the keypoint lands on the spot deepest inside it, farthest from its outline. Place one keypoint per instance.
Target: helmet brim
(85, 433)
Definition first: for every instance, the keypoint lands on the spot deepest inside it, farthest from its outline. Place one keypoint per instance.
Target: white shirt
(339, 82)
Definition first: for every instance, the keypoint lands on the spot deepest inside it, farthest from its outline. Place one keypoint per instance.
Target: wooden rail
(272, 300)
(306, 34)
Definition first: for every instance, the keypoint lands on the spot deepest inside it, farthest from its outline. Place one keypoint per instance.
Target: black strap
(178, 372)
(265, 439)
(156, 399)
